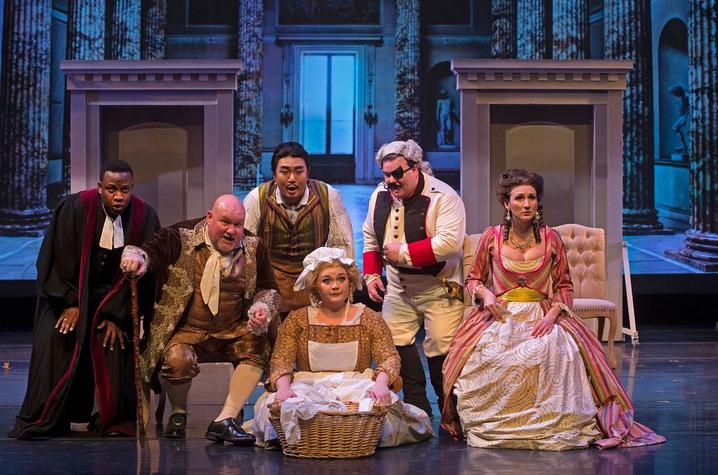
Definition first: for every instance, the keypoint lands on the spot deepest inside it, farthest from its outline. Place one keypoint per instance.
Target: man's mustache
(392, 186)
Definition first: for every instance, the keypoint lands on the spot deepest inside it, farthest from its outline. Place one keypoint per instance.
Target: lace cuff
(254, 309)
(136, 252)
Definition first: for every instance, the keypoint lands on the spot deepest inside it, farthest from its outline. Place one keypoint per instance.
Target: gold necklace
(521, 247)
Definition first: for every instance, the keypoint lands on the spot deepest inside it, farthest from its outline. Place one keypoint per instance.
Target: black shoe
(176, 426)
(228, 430)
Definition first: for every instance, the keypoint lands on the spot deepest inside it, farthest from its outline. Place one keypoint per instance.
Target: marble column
(85, 41)
(124, 27)
(627, 36)
(86, 30)
(503, 29)
(532, 41)
(24, 117)
(407, 46)
(701, 243)
(153, 43)
(570, 29)
(248, 99)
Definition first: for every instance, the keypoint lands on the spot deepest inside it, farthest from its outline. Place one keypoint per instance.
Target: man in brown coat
(216, 296)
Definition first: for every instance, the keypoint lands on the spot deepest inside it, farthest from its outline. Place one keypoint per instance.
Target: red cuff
(372, 262)
(421, 253)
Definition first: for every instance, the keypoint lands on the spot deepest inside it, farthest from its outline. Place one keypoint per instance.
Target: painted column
(570, 29)
(503, 29)
(532, 41)
(153, 42)
(627, 36)
(701, 244)
(124, 22)
(248, 99)
(85, 41)
(86, 30)
(24, 116)
(406, 71)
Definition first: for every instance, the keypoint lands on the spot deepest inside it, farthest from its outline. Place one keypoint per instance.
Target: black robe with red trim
(72, 377)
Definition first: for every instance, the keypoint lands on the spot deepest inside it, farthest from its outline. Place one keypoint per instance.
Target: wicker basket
(334, 434)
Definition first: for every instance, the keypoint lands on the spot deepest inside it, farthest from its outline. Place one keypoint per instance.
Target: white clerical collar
(302, 202)
(112, 236)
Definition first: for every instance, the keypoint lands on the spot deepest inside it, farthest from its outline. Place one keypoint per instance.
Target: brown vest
(289, 243)
(231, 310)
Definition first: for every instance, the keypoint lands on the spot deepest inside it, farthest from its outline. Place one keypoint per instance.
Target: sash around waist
(522, 294)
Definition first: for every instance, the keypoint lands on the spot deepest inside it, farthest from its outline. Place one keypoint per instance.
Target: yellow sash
(522, 294)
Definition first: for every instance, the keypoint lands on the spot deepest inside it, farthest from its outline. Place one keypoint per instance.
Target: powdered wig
(408, 149)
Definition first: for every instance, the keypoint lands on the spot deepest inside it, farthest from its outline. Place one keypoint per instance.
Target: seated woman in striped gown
(522, 371)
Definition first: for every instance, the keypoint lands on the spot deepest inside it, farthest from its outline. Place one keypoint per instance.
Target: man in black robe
(81, 368)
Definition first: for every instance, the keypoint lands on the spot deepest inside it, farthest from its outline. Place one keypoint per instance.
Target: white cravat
(216, 264)
(112, 236)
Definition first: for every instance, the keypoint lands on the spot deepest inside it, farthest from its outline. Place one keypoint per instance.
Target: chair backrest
(586, 252)
(471, 242)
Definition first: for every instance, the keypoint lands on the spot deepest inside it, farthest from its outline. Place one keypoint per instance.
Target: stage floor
(671, 378)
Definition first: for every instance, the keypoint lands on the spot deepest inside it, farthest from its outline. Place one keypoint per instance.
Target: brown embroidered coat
(171, 254)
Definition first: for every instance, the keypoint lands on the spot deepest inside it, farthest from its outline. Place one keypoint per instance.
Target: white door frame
(364, 135)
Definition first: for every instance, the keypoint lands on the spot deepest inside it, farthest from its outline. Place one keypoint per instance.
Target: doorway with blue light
(330, 88)
(327, 114)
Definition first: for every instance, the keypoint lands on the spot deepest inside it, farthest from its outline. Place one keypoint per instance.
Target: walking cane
(140, 429)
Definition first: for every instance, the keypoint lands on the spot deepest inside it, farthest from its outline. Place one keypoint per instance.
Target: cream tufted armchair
(586, 252)
(585, 248)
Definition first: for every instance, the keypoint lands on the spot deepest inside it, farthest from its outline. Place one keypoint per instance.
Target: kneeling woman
(522, 371)
(333, 335)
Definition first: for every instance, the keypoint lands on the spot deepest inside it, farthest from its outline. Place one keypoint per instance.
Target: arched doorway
(671, 164)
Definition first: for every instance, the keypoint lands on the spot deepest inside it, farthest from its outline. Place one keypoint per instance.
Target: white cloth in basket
(325, 391)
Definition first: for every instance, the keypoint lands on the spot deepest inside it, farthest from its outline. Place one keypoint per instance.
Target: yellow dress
(521, 392)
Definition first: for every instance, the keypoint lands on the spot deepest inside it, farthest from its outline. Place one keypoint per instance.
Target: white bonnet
(318, 256)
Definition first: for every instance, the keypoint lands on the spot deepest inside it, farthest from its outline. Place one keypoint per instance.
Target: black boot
(412, 374)
(437, 379)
